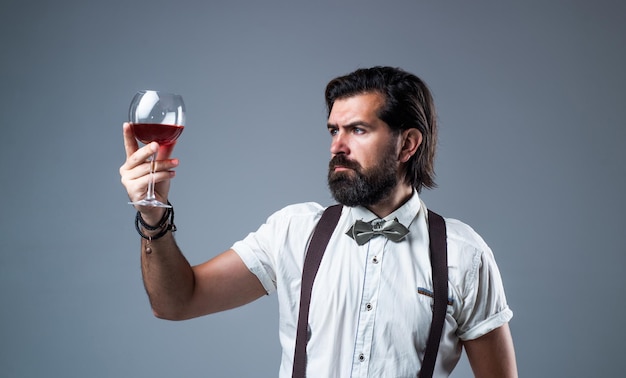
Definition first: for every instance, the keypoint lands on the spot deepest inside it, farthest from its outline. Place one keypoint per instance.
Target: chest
(381, 280)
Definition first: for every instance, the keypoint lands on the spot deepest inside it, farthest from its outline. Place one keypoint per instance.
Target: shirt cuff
(488, 325)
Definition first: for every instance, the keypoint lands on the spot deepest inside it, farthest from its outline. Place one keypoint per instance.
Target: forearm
(167, 276)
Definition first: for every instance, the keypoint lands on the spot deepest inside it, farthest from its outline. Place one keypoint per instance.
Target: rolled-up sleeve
(483, 306)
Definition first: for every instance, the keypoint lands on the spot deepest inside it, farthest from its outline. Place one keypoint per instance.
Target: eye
(358, 130)
(332, 131)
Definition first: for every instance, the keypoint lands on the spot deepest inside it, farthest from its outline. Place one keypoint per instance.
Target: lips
(342, 163)
(340, 167)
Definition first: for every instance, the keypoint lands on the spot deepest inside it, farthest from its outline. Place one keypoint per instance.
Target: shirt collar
(405, 213)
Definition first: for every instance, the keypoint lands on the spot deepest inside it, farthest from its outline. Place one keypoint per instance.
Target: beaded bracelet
(165, 224)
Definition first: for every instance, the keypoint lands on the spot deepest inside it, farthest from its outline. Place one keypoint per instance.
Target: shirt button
(369, 307)
(361, 357)
(375, 260)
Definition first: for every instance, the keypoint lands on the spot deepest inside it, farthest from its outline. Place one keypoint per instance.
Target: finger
(130, 142)
(137, 165)
(142, 155)
(137, 188)
(165, 151)
(136, 180)
(140, 183)
(143, 169)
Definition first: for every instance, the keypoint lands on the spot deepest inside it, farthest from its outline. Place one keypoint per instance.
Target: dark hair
(408, 104)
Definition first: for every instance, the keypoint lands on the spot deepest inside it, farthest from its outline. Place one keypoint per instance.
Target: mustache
(343, 161)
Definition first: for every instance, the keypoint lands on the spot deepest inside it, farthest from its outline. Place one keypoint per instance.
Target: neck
(396, 198)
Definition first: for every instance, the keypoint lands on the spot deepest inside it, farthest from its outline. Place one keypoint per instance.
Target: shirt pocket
(426, 297)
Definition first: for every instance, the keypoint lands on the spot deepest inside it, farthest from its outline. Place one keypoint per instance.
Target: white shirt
(370, 310)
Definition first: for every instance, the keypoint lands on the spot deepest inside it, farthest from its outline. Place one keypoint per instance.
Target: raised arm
(492, 355)
(176, 290)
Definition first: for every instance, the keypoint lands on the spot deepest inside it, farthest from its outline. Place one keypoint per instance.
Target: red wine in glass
(156, 117)
(163, 134)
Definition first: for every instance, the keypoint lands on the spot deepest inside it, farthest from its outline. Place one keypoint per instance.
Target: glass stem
(150, 194)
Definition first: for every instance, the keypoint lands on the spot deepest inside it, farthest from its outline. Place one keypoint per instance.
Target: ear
(411, 140)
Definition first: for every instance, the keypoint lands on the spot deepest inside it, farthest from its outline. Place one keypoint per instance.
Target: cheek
(381, 152)
(365, 154)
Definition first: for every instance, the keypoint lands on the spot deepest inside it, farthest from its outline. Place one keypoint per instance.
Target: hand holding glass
(156, 117)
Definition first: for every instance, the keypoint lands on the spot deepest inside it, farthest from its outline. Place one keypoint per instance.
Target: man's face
(364, 166)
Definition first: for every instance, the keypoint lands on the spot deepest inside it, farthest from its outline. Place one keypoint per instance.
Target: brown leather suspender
(317, 246)
(439, 264)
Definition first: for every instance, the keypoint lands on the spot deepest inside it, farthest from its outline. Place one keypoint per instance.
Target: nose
(339, 144)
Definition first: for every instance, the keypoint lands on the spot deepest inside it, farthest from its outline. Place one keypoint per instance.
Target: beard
(362, 187)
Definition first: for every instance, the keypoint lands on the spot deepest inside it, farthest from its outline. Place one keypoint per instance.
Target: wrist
(152, 232)
(156, 220)
(151, 218)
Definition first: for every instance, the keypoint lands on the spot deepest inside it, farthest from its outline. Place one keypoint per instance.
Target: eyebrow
(350, 125)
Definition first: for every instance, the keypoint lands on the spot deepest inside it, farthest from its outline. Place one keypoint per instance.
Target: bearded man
(371, 305)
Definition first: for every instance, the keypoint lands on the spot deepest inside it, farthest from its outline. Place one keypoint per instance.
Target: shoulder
(296, 217)
(462, 234)
(468, 254)
(475, 281)
(299, 210)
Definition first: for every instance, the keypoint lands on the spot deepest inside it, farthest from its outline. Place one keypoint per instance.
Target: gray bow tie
(362, 232)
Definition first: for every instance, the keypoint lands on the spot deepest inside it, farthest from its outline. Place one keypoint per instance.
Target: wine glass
(156, 117)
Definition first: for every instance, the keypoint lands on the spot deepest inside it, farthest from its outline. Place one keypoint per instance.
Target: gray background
(530, 97)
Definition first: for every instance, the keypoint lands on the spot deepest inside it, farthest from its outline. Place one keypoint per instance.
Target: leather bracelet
(159, 235)
(165, 224)
(161, 223)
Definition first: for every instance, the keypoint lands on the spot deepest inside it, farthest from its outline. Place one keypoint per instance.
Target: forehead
(363, 107)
